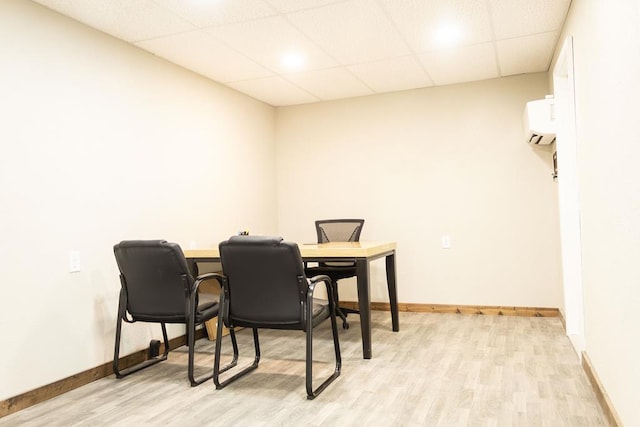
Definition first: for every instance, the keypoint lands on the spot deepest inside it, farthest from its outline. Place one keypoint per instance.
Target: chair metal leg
(206, 377)
(311, 393)
(150, 362)
(122, 308)
(191, 333)
(216, 364)
(116, 352)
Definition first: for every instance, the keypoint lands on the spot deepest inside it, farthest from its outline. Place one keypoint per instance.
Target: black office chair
(337, 230)
(157, 287)
(264, 286)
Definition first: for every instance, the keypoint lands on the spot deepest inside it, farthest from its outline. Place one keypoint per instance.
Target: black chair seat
(335, 273)
(205, 312)
(319, 313)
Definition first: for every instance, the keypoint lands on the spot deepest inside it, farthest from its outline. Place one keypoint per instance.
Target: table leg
(364, 305)
(393, 293)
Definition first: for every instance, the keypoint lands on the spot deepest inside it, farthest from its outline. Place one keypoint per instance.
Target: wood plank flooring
(439, 370)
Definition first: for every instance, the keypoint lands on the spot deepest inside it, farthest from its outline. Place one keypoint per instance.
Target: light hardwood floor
(439, 370)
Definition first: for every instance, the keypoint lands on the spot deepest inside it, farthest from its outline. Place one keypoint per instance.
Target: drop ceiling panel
(268, 40)
(352, 32)
(343, 46)
(515, 18)
(210, 13)
(419, 21)
(200, 52)
(526, 54)
(275, 91)
(330, 83)
(463, 64)
(293, 5)
(394, 74)
(129, 20)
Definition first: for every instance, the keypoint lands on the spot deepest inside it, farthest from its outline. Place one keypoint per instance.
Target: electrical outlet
(74, 261)
(446, 242)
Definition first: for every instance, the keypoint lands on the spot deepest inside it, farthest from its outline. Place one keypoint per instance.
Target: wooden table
(362, 253)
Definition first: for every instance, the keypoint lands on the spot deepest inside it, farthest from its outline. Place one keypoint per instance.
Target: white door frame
(568, 196)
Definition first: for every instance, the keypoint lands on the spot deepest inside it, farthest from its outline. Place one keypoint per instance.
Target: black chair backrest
(263, 276)
(339, 230)
(152, 271)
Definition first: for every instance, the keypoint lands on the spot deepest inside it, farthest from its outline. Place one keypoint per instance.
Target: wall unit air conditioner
(539, 121)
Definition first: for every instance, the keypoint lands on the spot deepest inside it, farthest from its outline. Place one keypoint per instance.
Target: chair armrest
(191, 298)
(327, 283)
(207, 276)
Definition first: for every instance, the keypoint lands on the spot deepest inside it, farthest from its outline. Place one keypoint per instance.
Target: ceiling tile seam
(207, 34)
(494, 42)
(394, 26)
(221, 41)
(549, 60)
(311, 41)
(274, 12)
(332, 67)
(426, 72)
(406, 43)
(524, 36)
(346, 68)
(168, 10)
(104, 31)
(284, 77)
(386, 58)
(177, 16)
(410, 55)
(162, 36)
(321, 49)
(273, 9)
(304, 9)
(335, 67)
(342, 65)
(274, 72)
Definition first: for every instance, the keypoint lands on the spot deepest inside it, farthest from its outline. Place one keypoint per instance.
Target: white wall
(103, 142)
(607, 65)
(420, 164)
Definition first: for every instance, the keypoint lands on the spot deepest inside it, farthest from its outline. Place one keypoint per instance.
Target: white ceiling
(349, 47)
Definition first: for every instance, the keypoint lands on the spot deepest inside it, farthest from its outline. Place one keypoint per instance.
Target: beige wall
(420, 164)
(103, 142)
(607, 65)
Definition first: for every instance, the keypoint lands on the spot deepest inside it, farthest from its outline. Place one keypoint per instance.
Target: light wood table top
(318, 250)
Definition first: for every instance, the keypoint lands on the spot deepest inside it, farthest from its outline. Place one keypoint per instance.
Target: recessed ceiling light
(293, 61)
(447, 35)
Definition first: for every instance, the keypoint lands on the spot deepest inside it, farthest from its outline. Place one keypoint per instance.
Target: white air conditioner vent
(539, 122)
